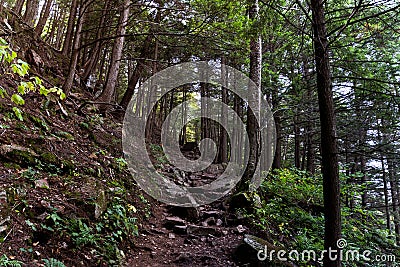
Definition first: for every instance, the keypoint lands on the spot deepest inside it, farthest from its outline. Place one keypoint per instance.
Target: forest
(199, 133)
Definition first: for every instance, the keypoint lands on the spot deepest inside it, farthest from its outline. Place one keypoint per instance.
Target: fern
(5, 261)
(53, 263)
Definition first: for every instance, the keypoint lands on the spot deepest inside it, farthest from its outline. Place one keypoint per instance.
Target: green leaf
(17, 99)
(18, 113)
(38, 81)
(43, 90)
(3, 92)
(63, 96)
(22, 88)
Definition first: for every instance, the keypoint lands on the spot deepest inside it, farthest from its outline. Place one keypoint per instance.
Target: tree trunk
(18, 6)
(43, 17)
(330, 170)
(109, 88)
(385, 192)
(223, 143)
(31, 12)
(60, 30)
(70, 28)
(254, 97)
(75, 54)
(297, 156)
(395, 199)
(95, 52)
(136, 73)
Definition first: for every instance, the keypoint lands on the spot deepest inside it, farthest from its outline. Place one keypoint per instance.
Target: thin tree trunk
(43, 17)
(330, 170)
(94, 55)
(385, 192)
(136, 73)
(297, 156)
(60, 30)
(18, 6)
(70, 29)
(223, 145)
(395, 199)
(75, 53)
(109, 88)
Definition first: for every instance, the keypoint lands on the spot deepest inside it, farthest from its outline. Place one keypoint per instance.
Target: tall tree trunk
(43, 17)
(94, 54)
(297, 156)
(395, 198)
(31, 12)
(254, 97)
(330, 170)
(223, 143)
(134, 79)
(385, 193)
(60, 29)
(75, 53)
(17, 8)
(70, 28)
(109, 88)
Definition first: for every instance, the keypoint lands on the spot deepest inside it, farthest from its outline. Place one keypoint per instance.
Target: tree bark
(254, 97)
(70, 28)
(95, 52)
(134, 79)
(31, 12)
(109, 88)
(223, 142)
(330, 170)
(43, 17)
(18, 6)
(75, 53)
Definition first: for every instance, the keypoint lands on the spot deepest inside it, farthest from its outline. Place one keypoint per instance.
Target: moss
(38, 122)
(50, 158)
(65, 135)
(21, 157)
(12, 165)
(67, 166)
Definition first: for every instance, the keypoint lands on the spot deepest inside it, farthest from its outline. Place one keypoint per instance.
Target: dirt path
(171, 240)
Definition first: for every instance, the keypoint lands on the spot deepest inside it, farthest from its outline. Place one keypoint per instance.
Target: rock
(18, 154)
(171, 222)
(202, 230)
(247, 253)
(240, 229)
(101, 204)
(180, 229)
(190, 213)
(171, 236)
(209, 221)
(219, 222)
(42, 183)
(211, 213)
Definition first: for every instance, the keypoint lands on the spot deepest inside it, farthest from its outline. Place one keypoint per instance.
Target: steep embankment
(64, 187)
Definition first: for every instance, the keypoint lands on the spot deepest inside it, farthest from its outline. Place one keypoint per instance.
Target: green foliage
(15, 66)
(5, 261)
(53, 263)
(114, 226)
(291, 211)
(158, 154)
